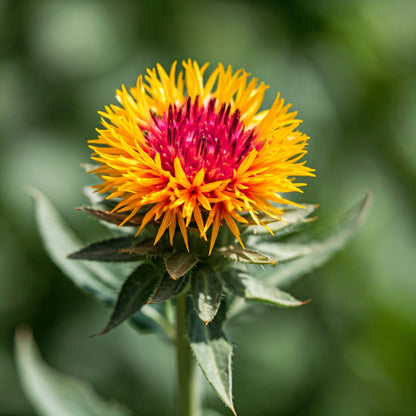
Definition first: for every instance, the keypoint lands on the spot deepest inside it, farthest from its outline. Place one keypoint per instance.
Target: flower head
(200, 152)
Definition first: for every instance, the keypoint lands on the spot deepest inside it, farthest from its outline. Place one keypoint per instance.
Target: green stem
(189, 394)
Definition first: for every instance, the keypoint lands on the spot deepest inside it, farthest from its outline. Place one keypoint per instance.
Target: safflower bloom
(200, 152)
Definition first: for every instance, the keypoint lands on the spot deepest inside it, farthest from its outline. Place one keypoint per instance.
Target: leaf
(236, 253)
(112, 250)
(52, 393)
(59, 240)
(284, 251)
(146, 247)
(290, 229)
(168, 288)
(101, 207)
(250, 288)
(102, 281)
(206, 290)
(303, 258)
(292, 220)
(112, 217)
(321, 251)
(137, 290)
(178, 264)
(213, 354)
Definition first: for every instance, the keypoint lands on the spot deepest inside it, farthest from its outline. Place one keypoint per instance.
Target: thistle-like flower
(192, 152)
(181, 153)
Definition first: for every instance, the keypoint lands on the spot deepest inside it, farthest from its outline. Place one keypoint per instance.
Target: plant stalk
(188, 385)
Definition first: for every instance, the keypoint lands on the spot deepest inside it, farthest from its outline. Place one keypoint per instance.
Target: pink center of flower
(202, 138)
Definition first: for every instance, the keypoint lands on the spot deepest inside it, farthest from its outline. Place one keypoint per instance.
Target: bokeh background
(348, 67)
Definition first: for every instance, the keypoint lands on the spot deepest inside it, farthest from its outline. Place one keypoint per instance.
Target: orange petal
(163, 226)
(182, 227)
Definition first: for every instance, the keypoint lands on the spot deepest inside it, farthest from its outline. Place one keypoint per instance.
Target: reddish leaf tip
(173, 277)
(97, 334)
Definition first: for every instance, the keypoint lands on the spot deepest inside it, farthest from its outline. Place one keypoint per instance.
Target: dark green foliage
(136, 291)
(112, 217)
(168, 288)
(237, 253)
(164, 274)
(178, 264)
(206, 291)
(251, 288)
(213, 353)
(294, 219)
(114, 250)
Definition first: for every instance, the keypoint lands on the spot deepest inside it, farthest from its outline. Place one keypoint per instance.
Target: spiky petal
(205, 156)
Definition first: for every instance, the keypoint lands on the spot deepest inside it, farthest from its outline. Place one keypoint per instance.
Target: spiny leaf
(284, 251)
(250, 288)
(308, 256)
(112, 250)
(146, 247)
(237, 253)
(137, 290)
(178, 264)
(213, 354)
(59, 240)
(168, 288)
(103, 281)
(112, 217)
(206, 290)
(52, 393)
(280, 231)
(319, 252)
(292, 219)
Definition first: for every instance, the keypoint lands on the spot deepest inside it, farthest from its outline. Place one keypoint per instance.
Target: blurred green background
(348, 67)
